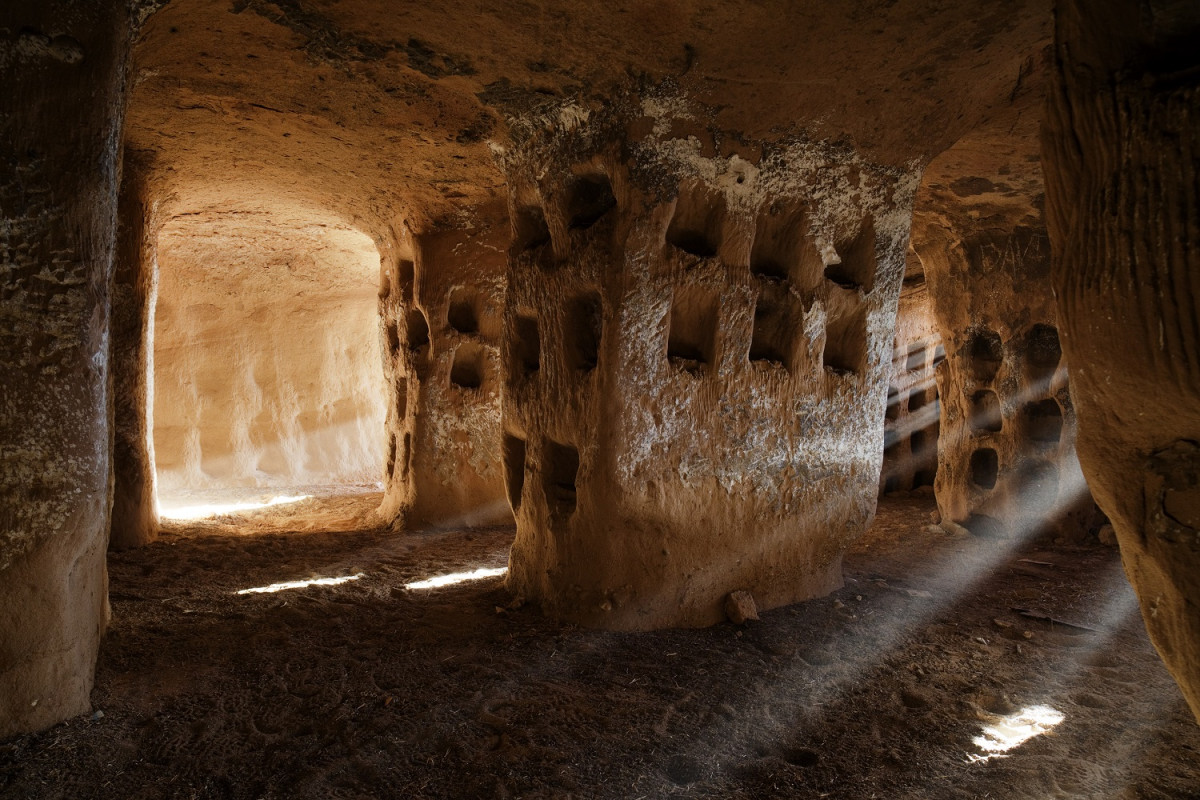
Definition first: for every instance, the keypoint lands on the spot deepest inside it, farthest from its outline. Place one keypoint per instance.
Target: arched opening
(267, 378)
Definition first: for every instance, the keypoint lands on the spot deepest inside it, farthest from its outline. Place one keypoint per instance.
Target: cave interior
(758, 399)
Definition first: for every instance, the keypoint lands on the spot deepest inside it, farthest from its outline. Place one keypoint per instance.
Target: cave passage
(267, 379)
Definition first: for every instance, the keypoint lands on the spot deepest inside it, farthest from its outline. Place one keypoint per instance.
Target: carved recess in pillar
(694, 373)
(1007, 461)
(441, 317)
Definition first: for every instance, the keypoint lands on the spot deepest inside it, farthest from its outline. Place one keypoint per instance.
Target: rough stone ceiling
(376, 112)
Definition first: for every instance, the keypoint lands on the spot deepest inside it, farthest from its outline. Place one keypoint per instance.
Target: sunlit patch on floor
(279, 587)
(213, 509)
(1012, 730)
(456, 577)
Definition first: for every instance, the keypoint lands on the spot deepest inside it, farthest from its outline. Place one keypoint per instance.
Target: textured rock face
(695, 368)
(1007, 459)
(912, 421)
(267, 366)
(63, 92)
(134, 292)
(1121, 148)
(441, 311)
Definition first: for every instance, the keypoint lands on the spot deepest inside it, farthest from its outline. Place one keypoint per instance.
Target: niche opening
(846, 343)
(467, 370)
(691, 343)
(893, 404)
(406, 271)
(418, 330)
(856, 269)
(777, 242)
(589, 197)
(771, 338)
(462, 315)
(1043, 352)
(696, 225)
(526, 346)
(916, 357)
(985, 353)
(560, 468)
(985, 468)
(530, 230)
(583, 327)
(1043, 421)
(514, 469)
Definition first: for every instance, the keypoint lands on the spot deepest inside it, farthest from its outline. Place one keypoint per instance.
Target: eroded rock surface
(63, 78)
(1121, 147)
(696, 363)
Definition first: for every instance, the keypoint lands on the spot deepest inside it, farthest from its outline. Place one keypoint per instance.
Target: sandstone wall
(267, 355)
(134, 293)
(697, 349)
(1007, 462)
(62, 68)
(913, 416)
(441, 312)
(1121, 146)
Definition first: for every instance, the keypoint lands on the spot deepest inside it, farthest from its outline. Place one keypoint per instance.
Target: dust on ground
(366, 688)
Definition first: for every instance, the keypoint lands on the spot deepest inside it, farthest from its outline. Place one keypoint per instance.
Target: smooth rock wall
(135, 290)
(267, 365)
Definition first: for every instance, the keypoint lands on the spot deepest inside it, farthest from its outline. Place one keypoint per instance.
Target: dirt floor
(370, 689)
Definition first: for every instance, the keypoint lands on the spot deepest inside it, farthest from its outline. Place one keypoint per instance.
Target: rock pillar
(442, 317)
(696, 362)
(135, 282)
(1121, 147)
(63, 68)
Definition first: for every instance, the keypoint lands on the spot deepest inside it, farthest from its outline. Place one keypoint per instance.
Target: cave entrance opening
(268, 384)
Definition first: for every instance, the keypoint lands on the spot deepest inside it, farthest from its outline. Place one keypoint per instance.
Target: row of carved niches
(1015, 388)
(1011, 454)
(912, 421)
(577, 347)
(775, 245)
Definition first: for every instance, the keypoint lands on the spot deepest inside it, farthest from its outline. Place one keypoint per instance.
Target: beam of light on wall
(1013, 730)
(213, 509)
(456, 577)
(279, 587)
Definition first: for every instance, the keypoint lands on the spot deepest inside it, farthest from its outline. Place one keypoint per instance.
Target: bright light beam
(279, 587)
(213, 509)
(1013, 730)
(456, 577)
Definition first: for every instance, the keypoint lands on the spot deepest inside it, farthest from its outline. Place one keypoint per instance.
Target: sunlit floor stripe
(1013, 730)
(213, 509)
(456, 577)
(279, 587)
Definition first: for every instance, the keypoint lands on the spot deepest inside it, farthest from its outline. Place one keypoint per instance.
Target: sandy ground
(370, 689)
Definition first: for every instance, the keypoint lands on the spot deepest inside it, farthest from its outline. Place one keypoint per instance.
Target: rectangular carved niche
(406, 275)
(691, 342)
(514, 469)
(846, 339)
(467, 370)
(582, 328)
(772, 339)
(526, 347)
(856, 270)
(463, 313)
(782, 250)
(560, 469)
(697, 226)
